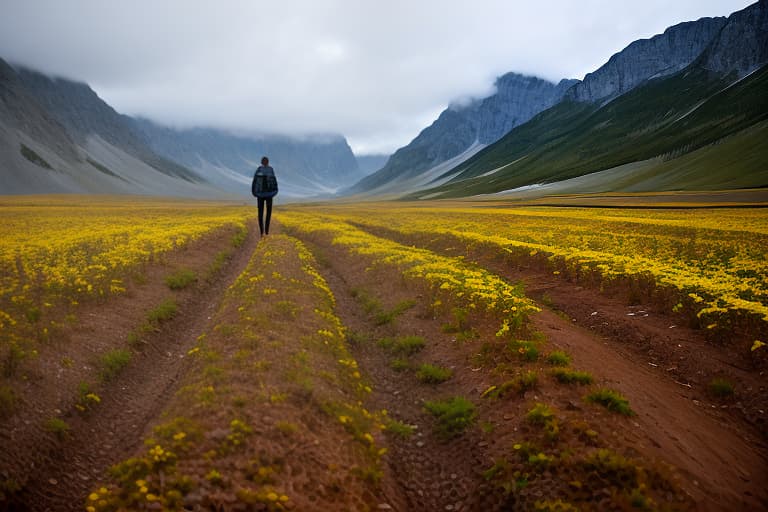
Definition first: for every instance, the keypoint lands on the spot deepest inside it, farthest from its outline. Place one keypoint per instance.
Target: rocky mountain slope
(460, 131)
(667, 97)
(696, 129)
(57, 135)
(644, 59)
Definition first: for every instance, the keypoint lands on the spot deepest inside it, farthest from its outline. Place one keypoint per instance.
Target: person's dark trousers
(264, 226)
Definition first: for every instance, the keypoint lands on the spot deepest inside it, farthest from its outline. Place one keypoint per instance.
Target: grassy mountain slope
(665, 118)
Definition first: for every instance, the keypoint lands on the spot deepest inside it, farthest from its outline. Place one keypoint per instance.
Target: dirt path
(723, 470)
(63, 475)
(720, 456)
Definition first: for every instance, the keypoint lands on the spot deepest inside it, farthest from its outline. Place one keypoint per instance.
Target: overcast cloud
(375, 71)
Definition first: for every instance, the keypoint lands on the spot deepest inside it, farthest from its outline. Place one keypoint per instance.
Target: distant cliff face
(518, 98)
(742, 44)
(661, 55)
(458, 128)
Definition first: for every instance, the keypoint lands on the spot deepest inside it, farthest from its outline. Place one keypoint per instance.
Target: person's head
(264, 160)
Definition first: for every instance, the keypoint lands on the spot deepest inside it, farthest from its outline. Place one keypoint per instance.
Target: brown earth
(663, 368)
(57, 474)
(712, 452)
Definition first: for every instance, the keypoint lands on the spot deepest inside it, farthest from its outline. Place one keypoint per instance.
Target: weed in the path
(404, 345)
(57, 427)
(720, 388)
(526, 350)
(567, 376)
(181, 279)
(453, 415)
(113, 362)
(558, 358)
(611, 400)
(432, 374)
(543, 416)
(400, 364)
(398, 428)
(516, 386)
(387, 317)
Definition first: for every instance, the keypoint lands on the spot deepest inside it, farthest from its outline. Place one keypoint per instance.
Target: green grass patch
(526, 381)
(400, 364)
(540, 414)
(165, 311)
(113, 362)
(611, 400)
(238, 239)
(567, 376)
(387, 317)
(181, 279)
(398, 428)
(57, 427)
(558, 358)
(720, 388)
(454, 415)
(432, 374)
(525, 350)
(404, 345)
(218, 263)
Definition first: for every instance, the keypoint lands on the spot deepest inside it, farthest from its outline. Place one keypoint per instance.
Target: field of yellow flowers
(713, 261)
(58, 252)
(354, 351)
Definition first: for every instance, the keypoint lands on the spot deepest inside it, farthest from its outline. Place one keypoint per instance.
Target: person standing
(264, 188)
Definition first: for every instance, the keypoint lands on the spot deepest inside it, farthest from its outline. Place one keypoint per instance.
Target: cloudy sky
(376, 71)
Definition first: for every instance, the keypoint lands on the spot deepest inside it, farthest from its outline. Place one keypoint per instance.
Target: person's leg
(269, 215)
(260, 203)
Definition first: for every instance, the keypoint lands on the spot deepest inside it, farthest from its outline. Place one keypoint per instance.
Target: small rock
(454, 476)
(384, 506)
(419, 443)
(482, 444)
(449, 507)
(53, 481)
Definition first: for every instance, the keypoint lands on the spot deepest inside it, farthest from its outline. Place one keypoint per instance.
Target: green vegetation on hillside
(667, 118)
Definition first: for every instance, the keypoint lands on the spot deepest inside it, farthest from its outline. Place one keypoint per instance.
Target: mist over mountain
(634, 115)
(57, 135)
(701, 128)
(462, 130)
(669, 104)
(306, 166)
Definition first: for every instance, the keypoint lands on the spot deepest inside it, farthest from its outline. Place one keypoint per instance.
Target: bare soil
(57, 473)
(718, 445)
(710, 455)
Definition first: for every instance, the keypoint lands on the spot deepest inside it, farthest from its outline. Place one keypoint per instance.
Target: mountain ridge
(517, 98)
(604, 123)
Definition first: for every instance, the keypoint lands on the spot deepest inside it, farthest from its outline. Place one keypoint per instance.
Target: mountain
(462, 130)
(742, 44)
(307, 166)
(700, 128)
(59, 136)
(645, 59)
